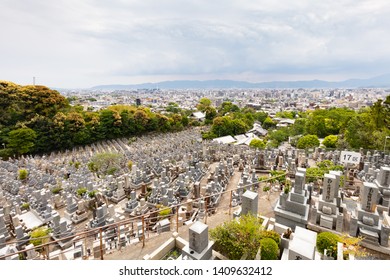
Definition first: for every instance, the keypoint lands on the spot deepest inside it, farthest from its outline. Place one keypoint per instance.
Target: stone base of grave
(78, 218)
(206, 254)
(369, 236)
(135, 186)
(68, 215)
(117, 199)
(291, 219)
(63, 243)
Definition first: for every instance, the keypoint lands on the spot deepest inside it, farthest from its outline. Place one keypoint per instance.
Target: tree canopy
(36, 119)
(308, 141)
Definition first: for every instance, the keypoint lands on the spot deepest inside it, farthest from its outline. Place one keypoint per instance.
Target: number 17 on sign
(350, 157)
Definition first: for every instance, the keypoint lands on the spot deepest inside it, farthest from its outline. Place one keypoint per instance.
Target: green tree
(211, 113)
(173, 107)
(258, 144)
(317, 172)
(359, 131)
(227, 107)
(260, 116)
(222, 126)
(279, 135)
(203, 104)
(378, 114)
(308, 141)
(268, 123)
(105, 163)
(386, 105)
(239, 126)
(326, 122)
(22, 140)
(330, 141)
(286, 114)
(298, 127)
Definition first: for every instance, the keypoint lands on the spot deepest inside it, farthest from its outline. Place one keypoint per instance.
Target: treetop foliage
(36, 119)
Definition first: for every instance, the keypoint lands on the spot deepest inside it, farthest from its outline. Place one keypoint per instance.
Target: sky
(84, 43)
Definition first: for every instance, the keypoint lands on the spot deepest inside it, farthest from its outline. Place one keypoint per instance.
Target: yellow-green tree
(22, 140)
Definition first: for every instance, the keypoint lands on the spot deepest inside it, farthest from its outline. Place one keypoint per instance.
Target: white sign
(350, 157)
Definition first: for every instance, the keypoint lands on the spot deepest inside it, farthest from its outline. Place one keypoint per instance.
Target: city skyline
(83, 44)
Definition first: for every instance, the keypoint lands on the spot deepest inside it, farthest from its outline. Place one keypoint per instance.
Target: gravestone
(299, 182)
(383, 177)
(3, 228)
(295, 211)
(369, 196)
(250, 203)
(199, 247)
(327, 212)
(366, 222)
(329, 187)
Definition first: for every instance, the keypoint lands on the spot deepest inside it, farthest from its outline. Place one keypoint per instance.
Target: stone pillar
(353, 227)
(250, 203)
(385, 232)
(369, 196)
(340, 222)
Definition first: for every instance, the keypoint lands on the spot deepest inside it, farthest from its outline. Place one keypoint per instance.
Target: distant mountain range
(382, 81)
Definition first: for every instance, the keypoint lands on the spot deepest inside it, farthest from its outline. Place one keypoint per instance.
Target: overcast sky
(82, 43)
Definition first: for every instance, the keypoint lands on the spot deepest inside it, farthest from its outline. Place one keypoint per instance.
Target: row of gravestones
(330, 212)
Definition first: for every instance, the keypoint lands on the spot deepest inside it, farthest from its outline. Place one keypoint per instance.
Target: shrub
(91, 194)
(164, 212)
(81, 191)
(111, 171)
(308, 141)
(56, 190)
(23, 174)
(236, 238)
(266, 188)
(269, 249)
(130, 165)
(330, 141)
(271, 234)
(328, 241)
(25, 206)
(39, 236)
(280, 174)
(92, 167)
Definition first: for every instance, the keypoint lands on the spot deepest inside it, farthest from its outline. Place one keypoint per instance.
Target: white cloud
(84, 43)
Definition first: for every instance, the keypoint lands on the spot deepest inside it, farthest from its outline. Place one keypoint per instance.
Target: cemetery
(104, 199)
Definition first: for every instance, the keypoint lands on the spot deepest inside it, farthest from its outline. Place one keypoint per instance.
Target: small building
(285, 122)
(225, 140)
(258, 130)
(199, 116)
